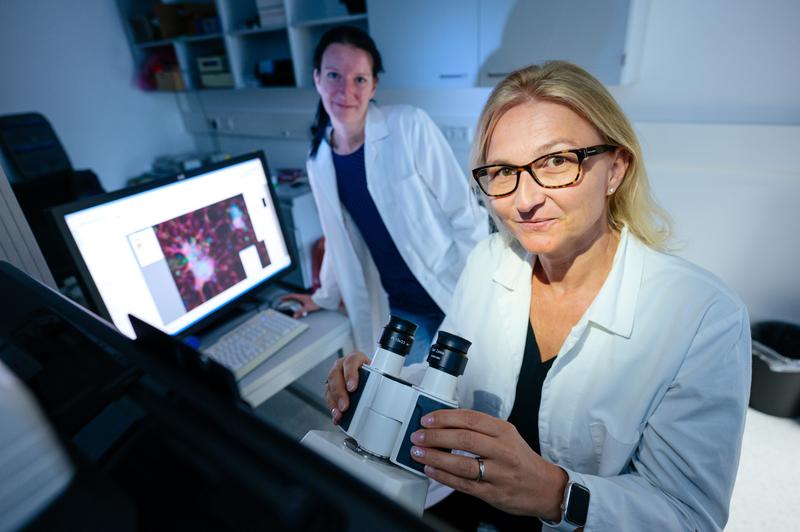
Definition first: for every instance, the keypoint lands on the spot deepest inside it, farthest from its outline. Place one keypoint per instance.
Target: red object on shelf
(160, 71)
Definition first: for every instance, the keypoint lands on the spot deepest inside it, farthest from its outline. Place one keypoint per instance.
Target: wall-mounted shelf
(256, 31)
(331, 21)
(263, 42)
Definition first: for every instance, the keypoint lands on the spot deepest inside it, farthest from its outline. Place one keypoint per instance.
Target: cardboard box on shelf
(169, 80)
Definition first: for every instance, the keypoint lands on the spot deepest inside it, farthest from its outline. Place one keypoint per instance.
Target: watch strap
(564, 524)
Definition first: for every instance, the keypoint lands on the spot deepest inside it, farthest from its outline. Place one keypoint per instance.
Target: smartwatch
(576, 504)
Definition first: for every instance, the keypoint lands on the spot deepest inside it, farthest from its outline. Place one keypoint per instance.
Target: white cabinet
(602, 37)
(251, 43)
(426, 43)
(465, 43)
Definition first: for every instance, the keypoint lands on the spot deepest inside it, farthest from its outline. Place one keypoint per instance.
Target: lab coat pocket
(612, 454)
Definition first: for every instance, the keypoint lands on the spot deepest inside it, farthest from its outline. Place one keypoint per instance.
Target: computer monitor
(158, 435)
(177, 253)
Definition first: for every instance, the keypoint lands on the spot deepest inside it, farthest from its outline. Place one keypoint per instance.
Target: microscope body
(385, 410)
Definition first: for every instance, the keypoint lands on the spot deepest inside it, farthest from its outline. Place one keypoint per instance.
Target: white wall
(718, 61)
(70, 61)
(732, 192)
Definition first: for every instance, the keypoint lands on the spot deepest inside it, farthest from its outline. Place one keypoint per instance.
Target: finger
(336, 414)
(468, 486)
(461, 418)
(352, 363)
(461, 439)
(461, 466)
(336, 388)
(330, 401)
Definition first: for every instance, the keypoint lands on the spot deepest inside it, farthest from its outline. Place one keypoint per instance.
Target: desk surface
(328, 332)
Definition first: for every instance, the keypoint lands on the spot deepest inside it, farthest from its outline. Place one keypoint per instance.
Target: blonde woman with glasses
(608, 380)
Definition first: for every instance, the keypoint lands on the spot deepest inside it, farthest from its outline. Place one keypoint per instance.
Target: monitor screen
(176, 253)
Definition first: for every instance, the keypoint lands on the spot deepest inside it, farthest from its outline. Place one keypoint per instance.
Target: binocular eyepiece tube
(385, 409)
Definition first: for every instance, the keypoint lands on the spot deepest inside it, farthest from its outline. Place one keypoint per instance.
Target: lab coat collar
(375, 127)
(516, 267)
(614, 307)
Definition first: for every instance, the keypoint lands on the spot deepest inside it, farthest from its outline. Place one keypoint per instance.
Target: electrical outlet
(457, 133)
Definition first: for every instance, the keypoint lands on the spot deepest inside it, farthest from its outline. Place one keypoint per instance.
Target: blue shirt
(401, 286)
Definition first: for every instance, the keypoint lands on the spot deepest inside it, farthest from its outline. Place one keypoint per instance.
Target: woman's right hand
(305, 300)
(342, 380)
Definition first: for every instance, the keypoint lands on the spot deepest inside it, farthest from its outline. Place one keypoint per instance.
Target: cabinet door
(517, 33)
(426, 43)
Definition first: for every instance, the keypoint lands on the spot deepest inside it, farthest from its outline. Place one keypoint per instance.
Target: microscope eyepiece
(449, 354)
(398, 336)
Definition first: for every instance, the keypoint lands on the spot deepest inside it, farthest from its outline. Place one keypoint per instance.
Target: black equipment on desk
(42, 177)
(159, 436)
(180, 252)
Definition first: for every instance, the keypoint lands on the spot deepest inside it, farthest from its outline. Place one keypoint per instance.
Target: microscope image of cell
(203, 249)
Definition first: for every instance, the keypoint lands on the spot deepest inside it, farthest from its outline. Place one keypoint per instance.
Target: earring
(611, 190)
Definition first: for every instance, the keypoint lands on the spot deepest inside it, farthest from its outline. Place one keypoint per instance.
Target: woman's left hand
(515, 479)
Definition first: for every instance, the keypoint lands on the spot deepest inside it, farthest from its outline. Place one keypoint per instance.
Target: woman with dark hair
(398, 214)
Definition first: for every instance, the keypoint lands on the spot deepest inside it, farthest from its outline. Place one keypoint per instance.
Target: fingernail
(341, 404)
(334, 413)
(430, 471)
(427, 421)
(418, 452)
(351, 385)
(418, 437)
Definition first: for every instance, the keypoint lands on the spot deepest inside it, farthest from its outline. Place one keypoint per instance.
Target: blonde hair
(567, 84)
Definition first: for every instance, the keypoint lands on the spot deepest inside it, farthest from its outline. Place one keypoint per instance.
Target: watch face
(577, 504)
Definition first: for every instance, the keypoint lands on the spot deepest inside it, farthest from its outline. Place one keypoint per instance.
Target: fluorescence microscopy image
(203, 248)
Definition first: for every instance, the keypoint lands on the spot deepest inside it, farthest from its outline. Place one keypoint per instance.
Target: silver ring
(481, 469)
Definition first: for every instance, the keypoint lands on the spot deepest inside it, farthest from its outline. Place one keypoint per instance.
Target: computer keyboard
(254, 341)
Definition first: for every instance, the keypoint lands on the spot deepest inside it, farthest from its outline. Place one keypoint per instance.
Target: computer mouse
(289, 306)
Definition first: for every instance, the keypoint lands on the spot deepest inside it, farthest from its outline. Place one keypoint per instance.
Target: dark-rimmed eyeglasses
(554, 170)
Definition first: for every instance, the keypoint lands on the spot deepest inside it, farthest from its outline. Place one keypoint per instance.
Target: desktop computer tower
(301, 218)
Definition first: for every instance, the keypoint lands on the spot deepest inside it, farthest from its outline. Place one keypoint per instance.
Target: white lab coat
(425, 202)
(645, 403)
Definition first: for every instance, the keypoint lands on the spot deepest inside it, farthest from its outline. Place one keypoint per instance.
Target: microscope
(374, 442)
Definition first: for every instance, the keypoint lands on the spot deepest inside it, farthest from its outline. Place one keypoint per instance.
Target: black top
(465, 512)
(403, 289)
(529, 392)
